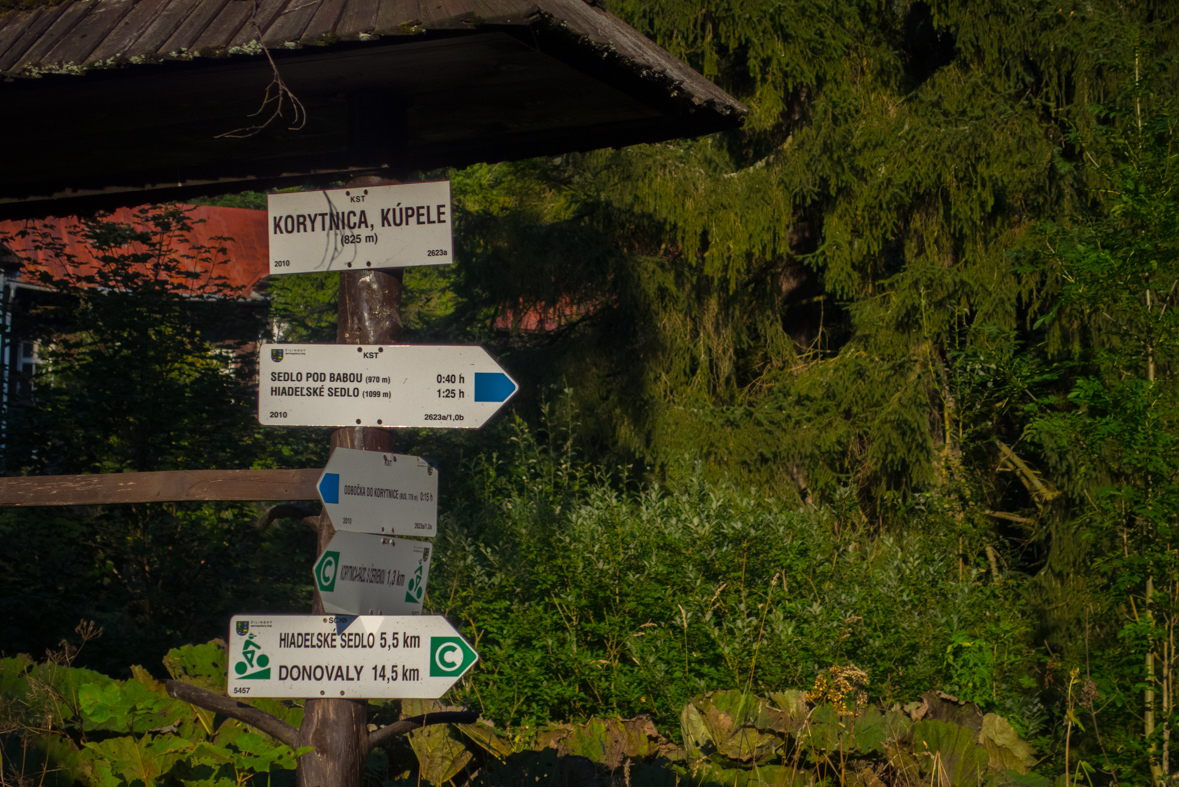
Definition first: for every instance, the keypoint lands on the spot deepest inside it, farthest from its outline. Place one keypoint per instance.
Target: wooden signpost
(334, 726)
(369, 317)
(369, 313)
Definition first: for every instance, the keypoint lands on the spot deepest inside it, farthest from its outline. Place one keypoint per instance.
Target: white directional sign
(359, 228)
(365, 657)
(440, 386)
(360, 574)
(373, 492)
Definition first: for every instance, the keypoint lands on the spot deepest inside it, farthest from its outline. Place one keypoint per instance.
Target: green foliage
(65, 725)
(72, 725)
(925, 284)
(785, 303)
(581, 598)
(204, 666)
(304, 307)
(1110, 422)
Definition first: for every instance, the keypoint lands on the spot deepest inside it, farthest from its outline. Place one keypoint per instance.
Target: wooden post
(369, 313)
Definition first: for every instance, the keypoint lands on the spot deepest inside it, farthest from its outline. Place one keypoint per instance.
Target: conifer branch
(271, 725)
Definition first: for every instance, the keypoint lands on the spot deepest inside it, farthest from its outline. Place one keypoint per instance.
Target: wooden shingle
(130, 29)
(399, 17)
(289, 26)
(79, 43)
(359, 19)
(160, 28)
(192, 27)
(234, 16)
(267, 11)
(37, 26)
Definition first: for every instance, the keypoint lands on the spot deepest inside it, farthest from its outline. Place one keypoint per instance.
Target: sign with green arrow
(358, 657)
(367, 574)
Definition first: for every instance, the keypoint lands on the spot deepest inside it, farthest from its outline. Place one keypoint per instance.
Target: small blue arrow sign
(329, 488)
(493, 386)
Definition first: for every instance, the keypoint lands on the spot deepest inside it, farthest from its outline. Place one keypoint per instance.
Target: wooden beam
(170, 486)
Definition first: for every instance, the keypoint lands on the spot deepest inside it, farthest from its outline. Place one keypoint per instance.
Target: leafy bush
(62, 725)
(584, 599)
(65, 725)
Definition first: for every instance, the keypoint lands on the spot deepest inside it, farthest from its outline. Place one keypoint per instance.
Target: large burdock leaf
(785, 712)
(732, 724)
(874, 731)
(862, 731)
(697, 740)
(948, 754)
(1006, 750)
(1013, 779)
(201, 665)
(488, 738)
(607, 741)
(127, 707)
(440, 755)
(131, 760)
(712, 774)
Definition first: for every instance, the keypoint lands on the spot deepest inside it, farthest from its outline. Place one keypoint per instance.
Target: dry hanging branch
(277, 93)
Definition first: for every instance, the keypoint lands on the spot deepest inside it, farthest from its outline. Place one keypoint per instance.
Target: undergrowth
(585, 595)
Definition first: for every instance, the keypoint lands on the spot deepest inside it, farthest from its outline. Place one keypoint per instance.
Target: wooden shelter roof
(114, 98)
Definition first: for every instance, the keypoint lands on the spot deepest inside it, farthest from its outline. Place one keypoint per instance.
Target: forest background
(883, 378)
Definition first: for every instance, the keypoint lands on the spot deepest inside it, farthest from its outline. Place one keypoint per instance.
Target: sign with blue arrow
(375, 492)
(394, 385)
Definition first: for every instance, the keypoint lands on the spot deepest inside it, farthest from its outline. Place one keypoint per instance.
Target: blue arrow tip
(329, 488)
(493, 386)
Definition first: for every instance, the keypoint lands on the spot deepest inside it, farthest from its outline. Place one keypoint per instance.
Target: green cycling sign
(450, 657)
(326, 570)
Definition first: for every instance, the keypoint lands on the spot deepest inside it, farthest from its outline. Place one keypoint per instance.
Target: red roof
(246, 250)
